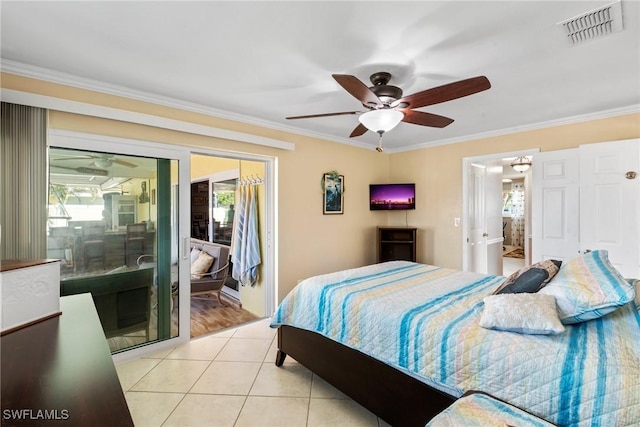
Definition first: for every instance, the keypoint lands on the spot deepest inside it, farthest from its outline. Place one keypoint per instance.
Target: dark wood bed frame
(392, 395)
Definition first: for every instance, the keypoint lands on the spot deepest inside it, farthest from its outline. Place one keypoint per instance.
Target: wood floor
(207, 316)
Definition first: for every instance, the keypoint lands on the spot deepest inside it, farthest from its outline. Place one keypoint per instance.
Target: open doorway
(216, 186)
(513, 221)
(496, 214)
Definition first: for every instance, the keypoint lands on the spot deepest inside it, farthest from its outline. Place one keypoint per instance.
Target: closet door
(555, 226)
(609, 202)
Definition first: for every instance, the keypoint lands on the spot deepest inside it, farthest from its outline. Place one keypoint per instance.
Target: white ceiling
(260, 62)
(74, 168)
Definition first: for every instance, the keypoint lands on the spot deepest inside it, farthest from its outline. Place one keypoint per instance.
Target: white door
(493, 214)
(609, 200)
(485, 217)
(555, 216)
(477, 220)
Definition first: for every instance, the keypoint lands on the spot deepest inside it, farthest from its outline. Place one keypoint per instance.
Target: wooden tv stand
(396, 243)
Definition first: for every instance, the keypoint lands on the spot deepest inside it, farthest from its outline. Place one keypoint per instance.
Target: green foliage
(225, 199)
(332, 176)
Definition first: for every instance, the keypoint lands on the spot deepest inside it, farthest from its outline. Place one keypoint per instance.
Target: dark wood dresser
(60, 372)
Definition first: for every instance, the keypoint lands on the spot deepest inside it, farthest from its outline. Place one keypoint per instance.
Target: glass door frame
(217, 177)
(92, 142)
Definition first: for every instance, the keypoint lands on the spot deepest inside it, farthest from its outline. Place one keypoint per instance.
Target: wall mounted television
(391, 197)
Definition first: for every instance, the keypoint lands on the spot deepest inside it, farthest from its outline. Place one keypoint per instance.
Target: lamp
(521, 164)
(382, 120)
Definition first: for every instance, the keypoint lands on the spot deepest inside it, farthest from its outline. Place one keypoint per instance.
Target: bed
(477, 409)
(403, 339)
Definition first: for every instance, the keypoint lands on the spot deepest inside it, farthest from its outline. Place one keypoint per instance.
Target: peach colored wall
(203, 166)
(310, 243)
(437, 173)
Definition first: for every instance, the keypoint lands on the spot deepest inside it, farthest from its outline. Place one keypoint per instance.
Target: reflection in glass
(223, 199)
(104, 219)
(223, 196)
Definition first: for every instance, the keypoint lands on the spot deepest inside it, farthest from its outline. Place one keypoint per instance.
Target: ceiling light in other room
(382, 120)
(521, 164)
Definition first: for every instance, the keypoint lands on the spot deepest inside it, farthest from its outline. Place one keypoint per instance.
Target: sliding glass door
(114, 221)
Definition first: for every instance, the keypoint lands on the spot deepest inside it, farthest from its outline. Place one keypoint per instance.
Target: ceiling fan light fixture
(382, 120)
(521, 164)
(103, 162)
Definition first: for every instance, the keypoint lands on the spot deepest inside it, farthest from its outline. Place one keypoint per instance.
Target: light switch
(456, 222)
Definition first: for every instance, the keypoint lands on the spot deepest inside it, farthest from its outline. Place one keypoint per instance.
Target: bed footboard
(397, 398)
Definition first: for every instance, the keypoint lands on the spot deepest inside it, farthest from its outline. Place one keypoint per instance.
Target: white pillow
(521, 313)
(194, 254)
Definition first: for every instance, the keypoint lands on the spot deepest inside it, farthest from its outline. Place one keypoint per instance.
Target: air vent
(594, 24)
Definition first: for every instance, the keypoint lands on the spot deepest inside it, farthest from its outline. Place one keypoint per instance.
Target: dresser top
(14, 264)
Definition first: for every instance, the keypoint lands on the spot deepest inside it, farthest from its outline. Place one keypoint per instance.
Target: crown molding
(48, 102)
(52, 76)
(614, 112)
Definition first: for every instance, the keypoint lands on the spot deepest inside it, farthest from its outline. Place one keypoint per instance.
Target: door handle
(185, 247)
(485, 234)
(586, 251)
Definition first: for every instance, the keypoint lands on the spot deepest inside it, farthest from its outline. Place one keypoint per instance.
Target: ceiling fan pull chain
(379, 148)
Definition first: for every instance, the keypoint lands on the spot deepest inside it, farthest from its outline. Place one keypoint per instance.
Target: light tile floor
(230, 379)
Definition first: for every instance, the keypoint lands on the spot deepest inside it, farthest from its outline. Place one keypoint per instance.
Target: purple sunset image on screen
(392, 196)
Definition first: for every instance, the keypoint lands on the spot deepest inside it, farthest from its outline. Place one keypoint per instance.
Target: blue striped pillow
(588, 287)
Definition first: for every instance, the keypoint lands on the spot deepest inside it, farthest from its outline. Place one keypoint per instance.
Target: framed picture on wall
(333, 194)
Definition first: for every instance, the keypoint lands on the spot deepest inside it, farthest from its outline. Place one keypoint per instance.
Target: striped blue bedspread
(480, 410)
(423, 320)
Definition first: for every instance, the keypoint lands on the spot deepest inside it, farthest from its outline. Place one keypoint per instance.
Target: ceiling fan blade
(125, 163)
(311, 116)
(426, 119)
(85, 171)
(357, 89)
(359, 130)
(446, 92)
(73, 158)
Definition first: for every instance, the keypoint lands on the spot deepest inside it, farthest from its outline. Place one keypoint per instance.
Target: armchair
(213, 280)
(210, 283)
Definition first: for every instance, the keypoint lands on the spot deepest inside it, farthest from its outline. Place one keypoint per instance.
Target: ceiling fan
(102, 160)
(85, 171)
(386, 106)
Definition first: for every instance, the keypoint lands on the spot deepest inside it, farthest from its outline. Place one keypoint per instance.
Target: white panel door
(555, 205)
(609, 200)
(493, 216)
(485, 217)
(477, 219)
